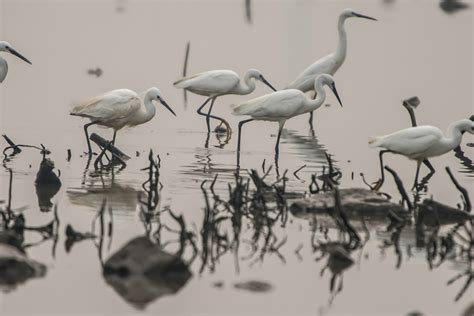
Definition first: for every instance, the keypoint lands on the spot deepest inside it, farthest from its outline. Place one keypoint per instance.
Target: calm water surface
(414, 49)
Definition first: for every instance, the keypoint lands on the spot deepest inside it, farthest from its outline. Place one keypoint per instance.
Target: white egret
(282, 105)
(6, 47)
(215, 83)
(119, 108)
(328, 64)
(422, 142)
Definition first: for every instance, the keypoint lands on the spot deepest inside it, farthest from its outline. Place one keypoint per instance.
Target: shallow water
(414, 49)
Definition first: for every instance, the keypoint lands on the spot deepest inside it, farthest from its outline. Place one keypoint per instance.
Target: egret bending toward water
(422, 142)
(328, 64)
(215, 83)
(282, 105)
(6, 47)
(119, 108)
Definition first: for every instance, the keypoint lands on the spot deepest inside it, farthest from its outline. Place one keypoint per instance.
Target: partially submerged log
(432, 213)
(103, 143)
(16, 267)
(141, 272)
(354, 202)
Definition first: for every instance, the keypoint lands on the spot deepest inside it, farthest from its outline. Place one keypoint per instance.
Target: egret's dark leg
(113, 138)
(241, 123)
(208, 115)
(382, 173)
(89, 148)
(429, 165)
(415, 184)
(277, 145)
(311, 114)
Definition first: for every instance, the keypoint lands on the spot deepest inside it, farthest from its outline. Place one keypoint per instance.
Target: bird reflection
(308, 148)
(468, 165)
(100, 184)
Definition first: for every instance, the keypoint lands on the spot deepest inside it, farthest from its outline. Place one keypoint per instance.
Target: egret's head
(6, 47)
(255, 73)
(328, 80)
(349, 13)
(467, 125)
(155, 94)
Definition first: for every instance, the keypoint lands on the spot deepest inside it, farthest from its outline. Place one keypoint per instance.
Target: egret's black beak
(363, 16)
(167, 106)
(333, 88)
(267, 83)
(17, 54)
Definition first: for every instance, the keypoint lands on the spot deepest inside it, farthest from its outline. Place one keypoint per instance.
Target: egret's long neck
(320, 96)
(147, 112)
(453, 136)
(342, 45)
(247, 86)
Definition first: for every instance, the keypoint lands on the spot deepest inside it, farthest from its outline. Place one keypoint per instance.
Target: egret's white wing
(111, 105)
(305, 80)
(277, 105)
(411, 141)
(214, 81)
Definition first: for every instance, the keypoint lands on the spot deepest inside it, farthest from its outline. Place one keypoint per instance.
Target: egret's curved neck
(454, 136)
(248, 85)
(342, 45)
(3, 69)
(147, 112)
(320, 96)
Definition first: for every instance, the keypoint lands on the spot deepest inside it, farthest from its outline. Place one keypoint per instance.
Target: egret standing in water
(216, 83)
(6, 47)
(422, 142)
(119, 108)
(328, 64)
(282, 105)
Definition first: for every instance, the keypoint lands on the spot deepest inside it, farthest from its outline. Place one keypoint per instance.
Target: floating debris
(95, 72)
(254, 286)
(73, 236)
(453, 6)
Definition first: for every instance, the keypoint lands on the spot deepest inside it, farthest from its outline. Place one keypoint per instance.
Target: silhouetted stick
(9, 205)
(467, 201)
(69, 154)
(340, 212)
(16, 149)
(298, 170)
(185, 70)
(401, 188)
(248, 11)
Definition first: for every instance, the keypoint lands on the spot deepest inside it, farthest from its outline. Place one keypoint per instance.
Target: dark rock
(253, 286)
(141, 272)
(16, 267)
(45, 174)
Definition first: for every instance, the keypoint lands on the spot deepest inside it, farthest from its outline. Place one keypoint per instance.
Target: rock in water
(17, 268)
(141, 272)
